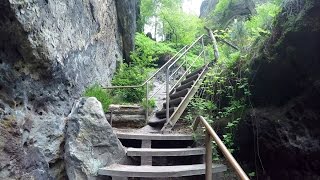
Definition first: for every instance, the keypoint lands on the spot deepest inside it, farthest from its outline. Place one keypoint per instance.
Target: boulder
(90, 141)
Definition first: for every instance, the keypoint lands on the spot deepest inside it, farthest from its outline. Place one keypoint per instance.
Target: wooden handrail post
(208, 159)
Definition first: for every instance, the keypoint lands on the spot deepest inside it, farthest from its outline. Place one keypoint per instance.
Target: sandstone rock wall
(50, 51)
(235, 10)
(280, 136)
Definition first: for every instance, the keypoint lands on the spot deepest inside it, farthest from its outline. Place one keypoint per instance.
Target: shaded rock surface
(128, 14)
(207, 6)
(280, 136)
(90, 141)
(50, 51)
(235, 10)
(18, 160)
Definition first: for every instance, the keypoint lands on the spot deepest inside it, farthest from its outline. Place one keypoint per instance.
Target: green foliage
(101, 94)
(261, 23)
(178, 26)
(181, 27)
(221, 6)
(130, 75)
(148, 51)
(151, 104)
(252, 174)
(147, 10)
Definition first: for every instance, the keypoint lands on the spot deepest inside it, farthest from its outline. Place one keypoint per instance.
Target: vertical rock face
(90, 142)
(207, 6)
(128, 13)
(49, 52)
(234, 10)
(281, 136)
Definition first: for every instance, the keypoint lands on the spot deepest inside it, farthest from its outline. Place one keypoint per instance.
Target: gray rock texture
(207, 6)
(280, 137)
(50, 51)
(235, 10)
(128, 14)
(17, 159)
(90, 142)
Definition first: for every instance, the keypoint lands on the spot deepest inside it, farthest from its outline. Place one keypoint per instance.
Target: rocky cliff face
(128, 13)
(49, 52)
(280, 137)
(207, 6)
(235, 10)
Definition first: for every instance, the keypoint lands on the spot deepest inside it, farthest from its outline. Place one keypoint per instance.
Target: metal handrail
(151, 77)
(210, 133)
(166, 66)
(168, 89)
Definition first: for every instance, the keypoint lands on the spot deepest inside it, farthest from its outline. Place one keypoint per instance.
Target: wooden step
(162, 114)
(165, 152)
(154, 136)
(158, 171)
(195, 72)
(192, 78)
(185, 86)
(157, 122)
(173, 102)
(179, 94)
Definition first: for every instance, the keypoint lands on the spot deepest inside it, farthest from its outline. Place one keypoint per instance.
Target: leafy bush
(151, 104)
(221, 6)
(130, 75)
(183, 28)
(148, 51)
(261, 23)
(101, 94)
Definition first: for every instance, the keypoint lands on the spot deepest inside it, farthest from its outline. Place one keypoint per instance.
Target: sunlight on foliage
(148, 51)
(181, 28)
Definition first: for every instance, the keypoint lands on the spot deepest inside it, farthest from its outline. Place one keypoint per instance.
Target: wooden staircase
(148, 152)
(179, 98)
(189, 160)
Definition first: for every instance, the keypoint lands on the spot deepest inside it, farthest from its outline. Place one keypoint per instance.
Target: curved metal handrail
(210, 133)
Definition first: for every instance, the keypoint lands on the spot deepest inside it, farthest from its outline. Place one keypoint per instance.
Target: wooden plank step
(192, 78)
(157, 122)
(173, 102)
(185, 86)
(154, 136)
(179, 94)
(158, 171)
(162, 113)
(195, 72)
(165, 152)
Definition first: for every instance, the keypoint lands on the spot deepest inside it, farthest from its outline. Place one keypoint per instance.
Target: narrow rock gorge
(50, 51)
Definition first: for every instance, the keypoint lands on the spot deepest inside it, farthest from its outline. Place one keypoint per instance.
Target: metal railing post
(209, 131)
(167, 95)
(147, 102)
(208, 140)
(204, 52)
